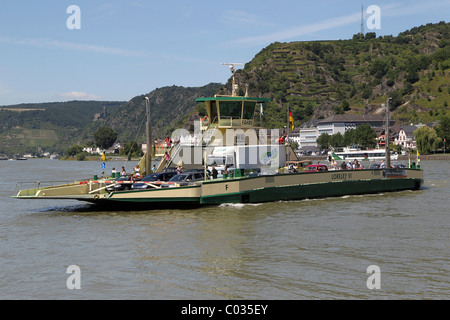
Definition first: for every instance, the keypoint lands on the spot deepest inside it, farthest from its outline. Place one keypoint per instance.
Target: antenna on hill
(362, 18)
(233, 71)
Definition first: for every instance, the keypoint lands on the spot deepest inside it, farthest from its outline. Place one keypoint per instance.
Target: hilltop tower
(362, 19)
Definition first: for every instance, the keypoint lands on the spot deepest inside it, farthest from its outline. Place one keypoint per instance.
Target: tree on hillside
(105, 137)
(396, 99)
(426, 139)
(338, 109)
(443, 130)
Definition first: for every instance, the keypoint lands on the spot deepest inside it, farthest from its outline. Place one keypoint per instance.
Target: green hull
(277, 188)
(322, 190)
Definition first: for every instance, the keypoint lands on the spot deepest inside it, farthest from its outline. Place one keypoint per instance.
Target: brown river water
(311, 249)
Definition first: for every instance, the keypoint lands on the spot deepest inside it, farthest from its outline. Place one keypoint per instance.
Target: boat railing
(30, 188)
(43, 184)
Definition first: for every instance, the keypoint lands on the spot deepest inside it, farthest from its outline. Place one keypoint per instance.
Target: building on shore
(307, 135)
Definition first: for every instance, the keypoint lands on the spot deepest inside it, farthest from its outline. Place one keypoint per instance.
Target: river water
(311, 249)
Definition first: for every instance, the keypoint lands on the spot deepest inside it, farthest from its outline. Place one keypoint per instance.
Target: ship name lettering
(341, 176)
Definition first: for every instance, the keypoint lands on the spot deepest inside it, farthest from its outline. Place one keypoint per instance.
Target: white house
(405, 137)
(308, 134)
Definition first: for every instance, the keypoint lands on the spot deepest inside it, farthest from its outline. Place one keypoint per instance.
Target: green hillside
(25, 128)
(318, 79)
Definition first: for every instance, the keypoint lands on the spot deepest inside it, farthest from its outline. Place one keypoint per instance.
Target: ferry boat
(253, 168)
(351, 154)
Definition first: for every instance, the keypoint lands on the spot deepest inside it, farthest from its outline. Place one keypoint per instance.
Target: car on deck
(316, 168)
(122, 183)
(153, 179)
(184, 179)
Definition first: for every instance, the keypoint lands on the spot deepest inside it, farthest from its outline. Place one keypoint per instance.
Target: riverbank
(99, 158)
(402, 158)
(427, 157)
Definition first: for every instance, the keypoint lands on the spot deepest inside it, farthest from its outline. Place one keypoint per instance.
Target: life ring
(205, 120)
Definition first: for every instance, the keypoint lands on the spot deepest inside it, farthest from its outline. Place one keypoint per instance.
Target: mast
(386, 136)
(233, 71)
(287, 123)
(148, 158)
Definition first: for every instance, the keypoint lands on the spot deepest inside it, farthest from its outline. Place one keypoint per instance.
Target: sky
(115, 50)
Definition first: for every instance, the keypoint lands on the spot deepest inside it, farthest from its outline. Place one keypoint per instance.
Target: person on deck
(214, 172)
(137, 173)
(334, 164)
(167, 156)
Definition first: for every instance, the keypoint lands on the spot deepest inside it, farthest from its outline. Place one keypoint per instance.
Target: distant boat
(2, 157)
(351, 154)
(20, 158)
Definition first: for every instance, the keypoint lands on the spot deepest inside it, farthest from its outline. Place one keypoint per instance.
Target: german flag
(291, 121)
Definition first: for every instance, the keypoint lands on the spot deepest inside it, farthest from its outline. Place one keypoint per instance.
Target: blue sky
(127, 48)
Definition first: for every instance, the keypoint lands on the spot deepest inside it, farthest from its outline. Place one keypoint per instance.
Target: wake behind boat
(236, 162)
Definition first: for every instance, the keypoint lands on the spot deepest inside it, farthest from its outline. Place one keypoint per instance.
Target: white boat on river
(351, 154)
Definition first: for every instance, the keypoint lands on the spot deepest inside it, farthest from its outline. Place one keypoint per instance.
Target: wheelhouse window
(214, 118)
(249, 110)
(230, 109)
